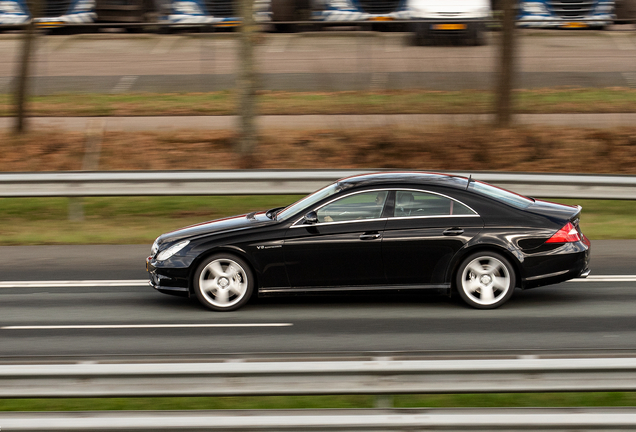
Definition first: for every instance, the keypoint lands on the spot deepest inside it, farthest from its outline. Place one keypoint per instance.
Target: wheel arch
(232, 250)
(457, 260)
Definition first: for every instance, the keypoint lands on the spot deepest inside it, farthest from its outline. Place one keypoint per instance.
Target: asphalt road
(325, 61)
(570, 318)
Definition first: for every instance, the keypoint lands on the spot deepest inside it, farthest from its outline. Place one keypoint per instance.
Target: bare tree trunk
(23, 72)
(506, 67)
(247, 85)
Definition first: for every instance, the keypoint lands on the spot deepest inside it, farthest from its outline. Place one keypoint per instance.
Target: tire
(485, 280)
(476, 34)
(420, 35)
(223, 282)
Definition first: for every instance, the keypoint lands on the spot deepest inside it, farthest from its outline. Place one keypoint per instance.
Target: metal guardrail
(448, 420)
(276, 182)
(380, 377)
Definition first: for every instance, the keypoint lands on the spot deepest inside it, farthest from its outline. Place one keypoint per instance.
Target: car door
(422, 234)
(343, 248)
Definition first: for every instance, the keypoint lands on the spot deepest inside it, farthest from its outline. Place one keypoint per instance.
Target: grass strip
(513, 400)
(138, 220)
(412, 101)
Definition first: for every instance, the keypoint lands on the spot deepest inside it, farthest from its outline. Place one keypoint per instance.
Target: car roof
(402, 177)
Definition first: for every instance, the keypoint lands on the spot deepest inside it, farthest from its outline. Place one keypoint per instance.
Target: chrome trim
(294, 225)
(585, 273)
(339, 223)
(432, 217)
(559, 273)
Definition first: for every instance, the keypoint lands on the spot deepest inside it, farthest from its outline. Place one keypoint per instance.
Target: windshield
(499, 194)
(308, 201)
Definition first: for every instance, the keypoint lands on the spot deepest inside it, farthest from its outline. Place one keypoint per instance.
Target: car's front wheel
(485, 280)
(223, 282)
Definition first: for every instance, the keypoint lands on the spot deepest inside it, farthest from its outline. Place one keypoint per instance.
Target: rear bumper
(572, 260)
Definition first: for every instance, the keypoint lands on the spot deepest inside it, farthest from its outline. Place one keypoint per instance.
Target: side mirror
(311, 218)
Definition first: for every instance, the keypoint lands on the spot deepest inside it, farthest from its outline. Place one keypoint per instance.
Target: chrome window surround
(295, 224)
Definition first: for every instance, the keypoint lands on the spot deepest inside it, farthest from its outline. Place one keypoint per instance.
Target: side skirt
(264, 292)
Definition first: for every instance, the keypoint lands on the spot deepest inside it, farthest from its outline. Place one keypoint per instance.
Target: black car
(384, 231)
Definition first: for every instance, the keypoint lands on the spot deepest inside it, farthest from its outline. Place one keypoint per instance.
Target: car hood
(233, 223)
(556, 212)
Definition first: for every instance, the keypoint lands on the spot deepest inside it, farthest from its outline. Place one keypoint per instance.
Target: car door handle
(370, 236)
(453, 232)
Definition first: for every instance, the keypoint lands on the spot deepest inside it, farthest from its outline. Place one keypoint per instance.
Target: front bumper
(336, 15)
(167, 280)
(557, 22)
(449, 27)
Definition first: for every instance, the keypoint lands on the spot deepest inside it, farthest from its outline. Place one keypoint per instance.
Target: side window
(365, 205)
(410, 203)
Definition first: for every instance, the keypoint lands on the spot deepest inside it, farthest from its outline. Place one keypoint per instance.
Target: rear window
(500, 194)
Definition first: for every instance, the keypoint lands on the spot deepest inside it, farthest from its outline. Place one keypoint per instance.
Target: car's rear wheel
(485, 280)
(223, 282)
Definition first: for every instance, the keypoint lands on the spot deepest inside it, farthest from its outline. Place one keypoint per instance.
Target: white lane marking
(164, 45)
(630, 77)
(74, 284)
(124, 83)
(139, 326)
(606, 278)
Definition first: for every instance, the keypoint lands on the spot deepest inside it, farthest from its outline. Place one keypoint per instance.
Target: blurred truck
(566, 13)
(49, 13)
(178, 13)
(335, 11)
(463, 19)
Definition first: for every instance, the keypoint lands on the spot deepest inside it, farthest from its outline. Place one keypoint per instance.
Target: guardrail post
(384, 401)
(94, 134)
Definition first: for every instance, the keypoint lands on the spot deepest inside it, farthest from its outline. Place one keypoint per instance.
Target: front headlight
(534, 8)
(155, 247)
(165, 254)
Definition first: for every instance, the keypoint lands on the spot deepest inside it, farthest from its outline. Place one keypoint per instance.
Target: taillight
(567, 234)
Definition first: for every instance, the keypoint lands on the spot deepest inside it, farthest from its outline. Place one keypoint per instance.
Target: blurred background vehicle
(50, 13)
(464, 19)
(337, 12)
(566, 13)
(219, 13)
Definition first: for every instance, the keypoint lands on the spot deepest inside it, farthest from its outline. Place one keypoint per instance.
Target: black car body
(379, 231)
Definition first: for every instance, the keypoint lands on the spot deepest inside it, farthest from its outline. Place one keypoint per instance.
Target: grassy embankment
(355, 401)
(558, 100)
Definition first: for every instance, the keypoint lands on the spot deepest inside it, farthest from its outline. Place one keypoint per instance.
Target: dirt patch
(537, 149)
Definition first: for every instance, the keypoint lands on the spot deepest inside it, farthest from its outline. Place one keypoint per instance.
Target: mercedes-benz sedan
(384, 231)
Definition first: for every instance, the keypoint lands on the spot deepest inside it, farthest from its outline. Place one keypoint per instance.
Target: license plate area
(575, 25)
(449, 26)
